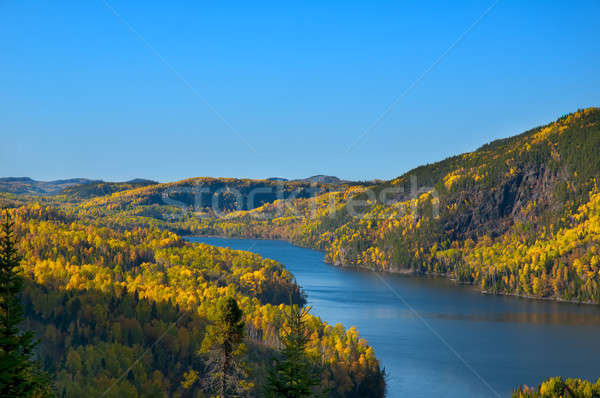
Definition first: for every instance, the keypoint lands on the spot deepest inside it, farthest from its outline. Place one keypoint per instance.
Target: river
(436, 338)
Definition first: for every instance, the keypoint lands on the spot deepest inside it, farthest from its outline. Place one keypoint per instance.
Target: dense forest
(125, 312)
(207, 196)
(101, 188)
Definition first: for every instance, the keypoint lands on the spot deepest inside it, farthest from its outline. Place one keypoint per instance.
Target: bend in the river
(436, 338)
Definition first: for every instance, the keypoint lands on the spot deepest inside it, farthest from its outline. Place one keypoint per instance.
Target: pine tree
(19, 374)
(294, 375)
(223, 343)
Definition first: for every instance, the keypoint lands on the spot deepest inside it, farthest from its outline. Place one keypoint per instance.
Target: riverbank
(411, 272)
(407, 272)
(531, 297)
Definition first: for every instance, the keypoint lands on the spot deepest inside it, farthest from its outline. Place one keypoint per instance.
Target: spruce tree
(224, 344)
(294, 375)
(19, 373)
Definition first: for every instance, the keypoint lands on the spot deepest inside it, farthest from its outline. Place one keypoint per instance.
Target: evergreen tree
(19, 374)
(293, 375)
(223, 342)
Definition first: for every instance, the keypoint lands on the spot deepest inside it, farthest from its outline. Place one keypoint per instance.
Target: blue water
(435, 338)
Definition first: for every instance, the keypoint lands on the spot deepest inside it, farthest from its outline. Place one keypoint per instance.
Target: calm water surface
(498, 342)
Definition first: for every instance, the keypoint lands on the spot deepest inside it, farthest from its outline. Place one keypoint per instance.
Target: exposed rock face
(519, 198)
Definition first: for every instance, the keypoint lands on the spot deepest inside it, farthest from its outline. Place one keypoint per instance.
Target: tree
(19, 373)
(559, 387)
(223, 343)
(293, 375)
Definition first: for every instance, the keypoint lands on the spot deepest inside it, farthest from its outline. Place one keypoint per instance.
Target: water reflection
(540, 318)
(518, 317)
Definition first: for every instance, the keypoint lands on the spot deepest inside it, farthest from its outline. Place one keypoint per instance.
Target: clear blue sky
(83, 96)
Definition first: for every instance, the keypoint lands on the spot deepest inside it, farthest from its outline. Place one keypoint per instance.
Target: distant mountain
(141, 181)
(77, 188)
(319, 178)
(324, 179)
(26, 185)
(277, 179)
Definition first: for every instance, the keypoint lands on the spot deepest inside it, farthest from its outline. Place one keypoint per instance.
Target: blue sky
(83, 96)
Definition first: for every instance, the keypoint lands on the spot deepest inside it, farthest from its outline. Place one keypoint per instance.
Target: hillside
(102, 188)
(517, 216)
(100, 298)
(229, 194)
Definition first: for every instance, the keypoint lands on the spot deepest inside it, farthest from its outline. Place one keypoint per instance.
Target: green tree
(19, 373)
(224, 344)
(559, 387)
(293, 375)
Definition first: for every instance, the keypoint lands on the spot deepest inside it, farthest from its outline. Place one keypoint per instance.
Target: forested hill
(126, 313)
(101, 188)
(206, 194)
(517, 216)
(544, 168)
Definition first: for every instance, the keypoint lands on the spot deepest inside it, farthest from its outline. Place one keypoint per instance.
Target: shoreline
(432, 275)
(409, 273)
